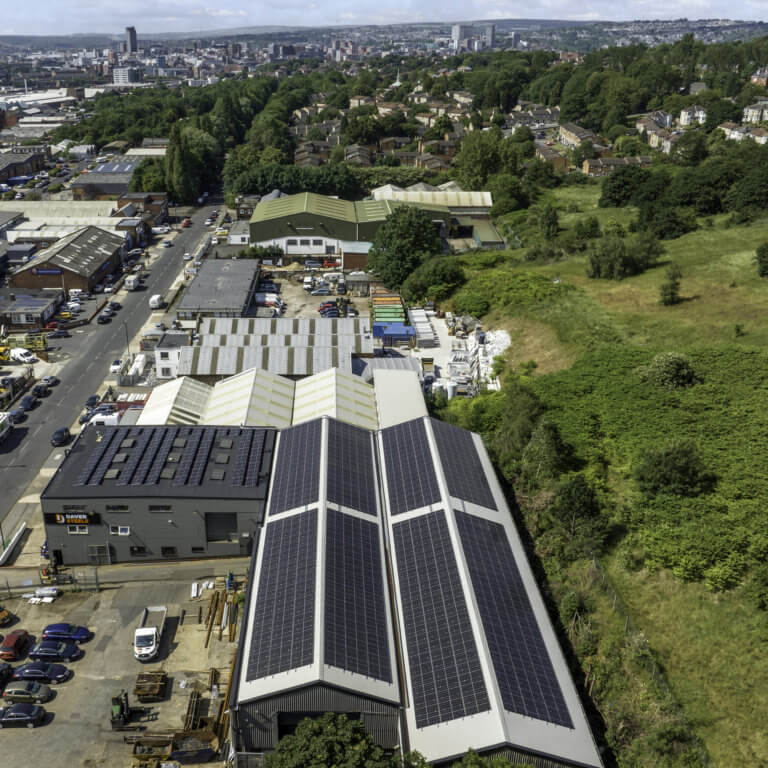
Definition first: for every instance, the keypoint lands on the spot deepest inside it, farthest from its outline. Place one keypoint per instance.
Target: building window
(163, 355)
(77, 529)
(168, 551)
(159, 507)
(138, 551)
(73, 507)
(317, 242)
(117, 507)
(291, 242)
(165, 371)
(120, 530)
(198, 550)
(303, 242)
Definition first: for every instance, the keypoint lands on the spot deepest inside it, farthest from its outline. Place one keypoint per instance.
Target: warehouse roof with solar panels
(479, 658)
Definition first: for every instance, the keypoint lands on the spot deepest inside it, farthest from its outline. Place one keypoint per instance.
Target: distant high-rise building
(126, 75)
(460, 32)
(488, 32)
(515, 39)
(130, 39)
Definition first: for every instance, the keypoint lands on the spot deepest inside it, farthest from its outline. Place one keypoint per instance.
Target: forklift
(122, 713)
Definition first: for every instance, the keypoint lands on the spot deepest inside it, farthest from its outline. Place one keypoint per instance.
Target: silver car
(27, 692)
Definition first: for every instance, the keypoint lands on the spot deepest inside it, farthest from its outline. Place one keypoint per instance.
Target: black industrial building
(128, 494)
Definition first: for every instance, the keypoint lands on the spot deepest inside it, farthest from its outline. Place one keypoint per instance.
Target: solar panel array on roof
(187, 458)
(355, 611)
(462, 467)
(93, 460)
(296, 476)
(411, 478)
(527, 680)
(443, 660)
(351, 480)
(284, 610)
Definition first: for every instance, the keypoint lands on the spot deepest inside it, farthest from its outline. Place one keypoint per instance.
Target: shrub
(671, 370)
(471, 303)
(761, 256)
(675, 468)
(725, 575)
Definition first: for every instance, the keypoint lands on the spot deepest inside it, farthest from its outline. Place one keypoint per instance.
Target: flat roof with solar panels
(176, 461)
(476, 652)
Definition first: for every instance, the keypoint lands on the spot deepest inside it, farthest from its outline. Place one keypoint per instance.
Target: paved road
(90, 351)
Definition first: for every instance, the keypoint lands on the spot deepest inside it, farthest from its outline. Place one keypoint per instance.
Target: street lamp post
(127, 342)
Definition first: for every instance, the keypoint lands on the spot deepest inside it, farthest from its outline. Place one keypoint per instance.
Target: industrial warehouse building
(413, 517)
(314, 226)
(388, 583)
(130, 494)
(80, 260)
(220, 289)
(294, 347)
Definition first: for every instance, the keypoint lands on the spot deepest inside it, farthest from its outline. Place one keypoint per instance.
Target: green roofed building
(310, 226)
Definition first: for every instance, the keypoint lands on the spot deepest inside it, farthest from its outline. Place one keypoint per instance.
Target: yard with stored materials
(79, 732)
(687, 568)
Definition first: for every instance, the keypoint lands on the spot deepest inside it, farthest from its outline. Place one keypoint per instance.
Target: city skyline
(175, 16)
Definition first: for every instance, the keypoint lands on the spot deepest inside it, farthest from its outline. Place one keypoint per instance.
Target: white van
(21, 355)
(309, 283)
(75, 293)
(156, 301)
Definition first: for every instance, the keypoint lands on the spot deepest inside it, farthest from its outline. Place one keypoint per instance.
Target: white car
(109, 289)
(187, 256)
(116, 366)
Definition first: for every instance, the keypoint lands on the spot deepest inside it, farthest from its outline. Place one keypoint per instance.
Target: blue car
(71, 632)
(55, 650)
(42, 672)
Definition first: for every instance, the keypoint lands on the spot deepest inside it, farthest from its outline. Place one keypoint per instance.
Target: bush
(614, 258)
(471, 303)
(725, 575)
(675, 468)
(671, 370)
(434, 280)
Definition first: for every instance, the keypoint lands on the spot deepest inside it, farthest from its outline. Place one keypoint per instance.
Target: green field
(587, 338)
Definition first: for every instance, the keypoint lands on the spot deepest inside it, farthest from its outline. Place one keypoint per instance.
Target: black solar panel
(241, 459)
(411, 475)
(188, 457)
(462, 467)
(159, 462)
(297, 471)
(201, 458)
(443, 660)
(94, 459)
(108, 453)
(350, 467)
(254, 462)
(284, 611)
(142, 438)
(355, 611)
(140, 475)
(523, 668)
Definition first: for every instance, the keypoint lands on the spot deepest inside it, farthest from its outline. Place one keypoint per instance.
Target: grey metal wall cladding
(537, 761)
(255, 722)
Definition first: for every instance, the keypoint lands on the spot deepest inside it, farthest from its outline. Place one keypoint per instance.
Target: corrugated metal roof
(286, 326)
(449, 198)
(307, 202)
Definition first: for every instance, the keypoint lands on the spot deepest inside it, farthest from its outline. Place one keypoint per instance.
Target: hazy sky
(63, 16)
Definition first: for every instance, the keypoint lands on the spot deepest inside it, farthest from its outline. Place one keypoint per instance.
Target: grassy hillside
(684, 567)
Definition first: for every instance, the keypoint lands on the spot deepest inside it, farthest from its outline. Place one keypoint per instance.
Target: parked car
(55, 650)
(71, 632)
(116, 366)
(187, 256)
(43, 672)
(28, 402)
(17, 415)
(40, 390)
(60, 334)
(49, 381)
(167, 243)
(323, 290)
(92, 401)
(103, 319)
(60, 437)
(27, 691)
(6, 670)
(186, 223)
(109, 288)
(107, 311)
(98, 288)
(28, 715)
(115, 305)
(14, 644)
(52, 325)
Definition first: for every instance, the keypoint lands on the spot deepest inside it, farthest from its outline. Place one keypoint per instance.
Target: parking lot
(301, 303)
(77, 730)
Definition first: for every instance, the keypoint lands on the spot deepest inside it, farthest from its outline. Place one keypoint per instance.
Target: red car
(186, 223)
(52, 326)
(14, 645)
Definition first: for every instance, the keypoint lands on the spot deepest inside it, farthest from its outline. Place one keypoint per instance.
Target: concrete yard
(77, 730)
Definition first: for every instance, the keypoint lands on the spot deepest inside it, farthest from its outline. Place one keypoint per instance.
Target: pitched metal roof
(307, 202)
